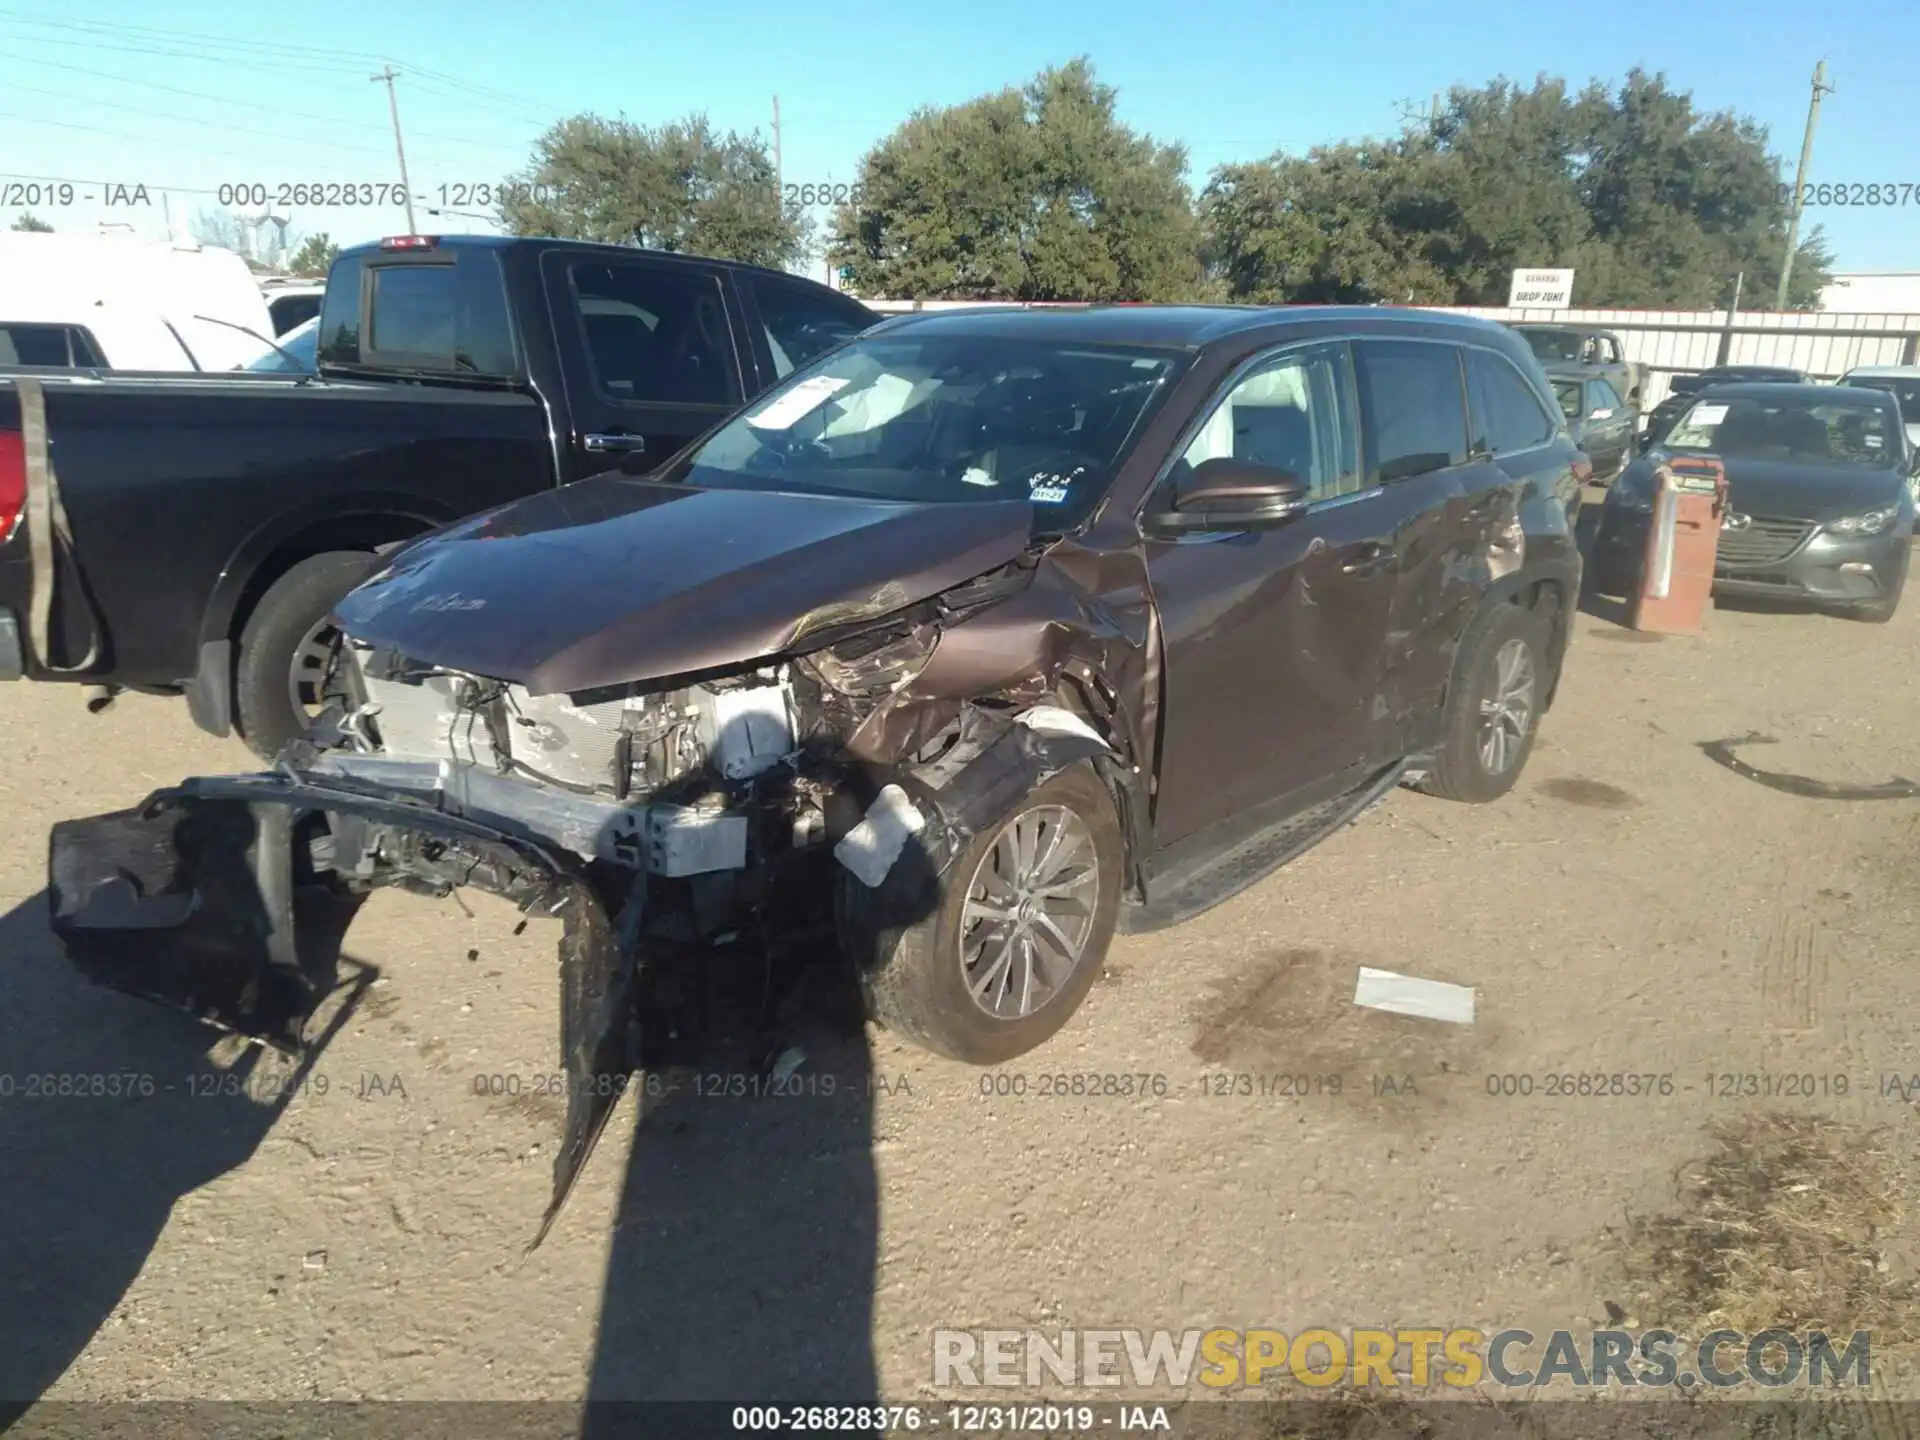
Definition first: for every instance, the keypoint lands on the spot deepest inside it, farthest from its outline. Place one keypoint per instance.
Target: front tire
(281, 672)
(1500, 682)
(1017, 936)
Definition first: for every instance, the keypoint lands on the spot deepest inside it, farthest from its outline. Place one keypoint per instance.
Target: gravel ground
(1630, 908)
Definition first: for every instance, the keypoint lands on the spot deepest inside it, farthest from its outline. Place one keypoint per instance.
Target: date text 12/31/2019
(1863, 194)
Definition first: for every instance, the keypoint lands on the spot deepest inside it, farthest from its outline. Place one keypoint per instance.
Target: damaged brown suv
(984, 636)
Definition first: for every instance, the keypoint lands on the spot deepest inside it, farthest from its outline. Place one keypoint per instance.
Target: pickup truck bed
(216, 519)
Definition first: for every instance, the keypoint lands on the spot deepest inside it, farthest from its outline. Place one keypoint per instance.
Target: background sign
(1541, 289)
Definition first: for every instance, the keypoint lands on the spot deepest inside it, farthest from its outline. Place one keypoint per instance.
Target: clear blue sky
(113, 91)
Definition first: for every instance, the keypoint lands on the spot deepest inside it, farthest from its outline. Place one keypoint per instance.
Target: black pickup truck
(198, 530)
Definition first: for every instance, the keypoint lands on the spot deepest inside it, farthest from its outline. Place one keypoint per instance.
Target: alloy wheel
(313, 675)
(1029, 912)
(1507, 712)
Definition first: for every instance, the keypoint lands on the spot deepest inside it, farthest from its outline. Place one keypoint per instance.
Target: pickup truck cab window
(1507, 415)
(1415, 415)
(435, 312)
(657, 333)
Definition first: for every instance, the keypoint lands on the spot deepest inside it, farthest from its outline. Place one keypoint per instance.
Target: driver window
(1294, 413)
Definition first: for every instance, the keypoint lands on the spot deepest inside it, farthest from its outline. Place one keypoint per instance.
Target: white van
(128, 304)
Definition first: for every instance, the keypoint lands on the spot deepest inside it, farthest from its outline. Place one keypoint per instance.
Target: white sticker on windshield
(1048, 494)
(1708, 415)
(976, 476)
(1874, 442)
(802, 400)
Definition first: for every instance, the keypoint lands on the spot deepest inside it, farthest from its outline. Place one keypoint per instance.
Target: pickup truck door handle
(614, 444)
(1369, 559)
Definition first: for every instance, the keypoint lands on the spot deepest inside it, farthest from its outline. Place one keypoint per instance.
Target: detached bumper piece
(228, 897)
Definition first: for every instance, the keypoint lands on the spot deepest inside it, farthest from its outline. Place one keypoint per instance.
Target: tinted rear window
(1414, 409)
(1508, 416)
(447, 314)
(63, 347)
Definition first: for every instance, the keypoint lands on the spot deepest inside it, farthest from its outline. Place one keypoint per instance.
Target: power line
(184, 119)
(94, 45)
(225, 50)
(279, 110)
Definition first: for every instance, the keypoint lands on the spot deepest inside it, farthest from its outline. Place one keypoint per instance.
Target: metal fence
(1680, 342)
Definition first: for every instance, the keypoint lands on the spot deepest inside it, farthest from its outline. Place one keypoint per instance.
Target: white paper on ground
(1408, 995)
(803, 399)
(871, 847)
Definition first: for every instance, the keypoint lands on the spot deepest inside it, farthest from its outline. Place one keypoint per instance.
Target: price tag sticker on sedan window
(802, 400)
(1708, 415)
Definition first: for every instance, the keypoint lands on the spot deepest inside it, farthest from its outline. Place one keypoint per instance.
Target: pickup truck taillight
(410, 242)
(13, 482)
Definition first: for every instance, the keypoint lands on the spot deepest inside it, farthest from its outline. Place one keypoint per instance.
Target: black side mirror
(1228, 494)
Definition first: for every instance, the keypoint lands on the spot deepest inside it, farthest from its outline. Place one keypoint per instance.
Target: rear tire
(290, 618)
(1500, 683)
(918, 978)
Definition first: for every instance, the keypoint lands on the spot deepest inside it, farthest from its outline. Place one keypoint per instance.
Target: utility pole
(778, 189)
(393, 107)
(1820, 87)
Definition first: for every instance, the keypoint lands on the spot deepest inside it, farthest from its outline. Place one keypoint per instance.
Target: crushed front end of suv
(976, 640)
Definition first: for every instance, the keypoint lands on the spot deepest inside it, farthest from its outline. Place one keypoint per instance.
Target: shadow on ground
(744, 1254)
(110, 1111)
(743, 1258)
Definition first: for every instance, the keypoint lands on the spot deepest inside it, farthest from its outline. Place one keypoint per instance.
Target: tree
(29, 221)
(315, 256)
(681, 187)
(1031, 194)
(1650, 203)
(260, 240)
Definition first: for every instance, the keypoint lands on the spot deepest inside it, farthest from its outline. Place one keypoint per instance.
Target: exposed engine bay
(659, 822)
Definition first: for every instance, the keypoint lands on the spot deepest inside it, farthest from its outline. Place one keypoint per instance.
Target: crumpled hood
(613, 580)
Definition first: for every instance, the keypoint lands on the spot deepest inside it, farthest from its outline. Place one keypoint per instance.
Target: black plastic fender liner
(188, 900)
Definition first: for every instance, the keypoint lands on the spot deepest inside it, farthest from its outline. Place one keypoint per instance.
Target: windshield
(1904, 389)
(1551, 345)
(1822, 433)
(302, 342)
(1567, 392)
(944, 417)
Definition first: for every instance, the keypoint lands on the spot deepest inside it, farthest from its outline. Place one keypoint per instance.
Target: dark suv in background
(979, 638)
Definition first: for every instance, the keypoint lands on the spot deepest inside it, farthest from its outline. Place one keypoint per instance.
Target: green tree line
(1040, 192)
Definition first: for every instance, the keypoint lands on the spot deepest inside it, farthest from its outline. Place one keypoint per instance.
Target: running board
(1254, 859)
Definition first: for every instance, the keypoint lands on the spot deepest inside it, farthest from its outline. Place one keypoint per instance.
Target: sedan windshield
(300, 344)
(949, 418)
(1824, 433)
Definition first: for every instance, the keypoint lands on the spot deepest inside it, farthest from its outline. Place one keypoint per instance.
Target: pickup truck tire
(1500, 681)
(917, 977)
(280, 625)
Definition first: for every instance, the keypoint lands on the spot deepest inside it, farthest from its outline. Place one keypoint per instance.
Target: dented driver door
(1271, 637)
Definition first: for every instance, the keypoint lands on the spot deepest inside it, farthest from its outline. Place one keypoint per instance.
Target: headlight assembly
(1871, 523)
(872, 665)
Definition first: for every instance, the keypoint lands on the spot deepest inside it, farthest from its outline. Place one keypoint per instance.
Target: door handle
(614, 444)
(1368, 561)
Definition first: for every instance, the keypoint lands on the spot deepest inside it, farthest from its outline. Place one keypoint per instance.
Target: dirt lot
(1631, 908)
